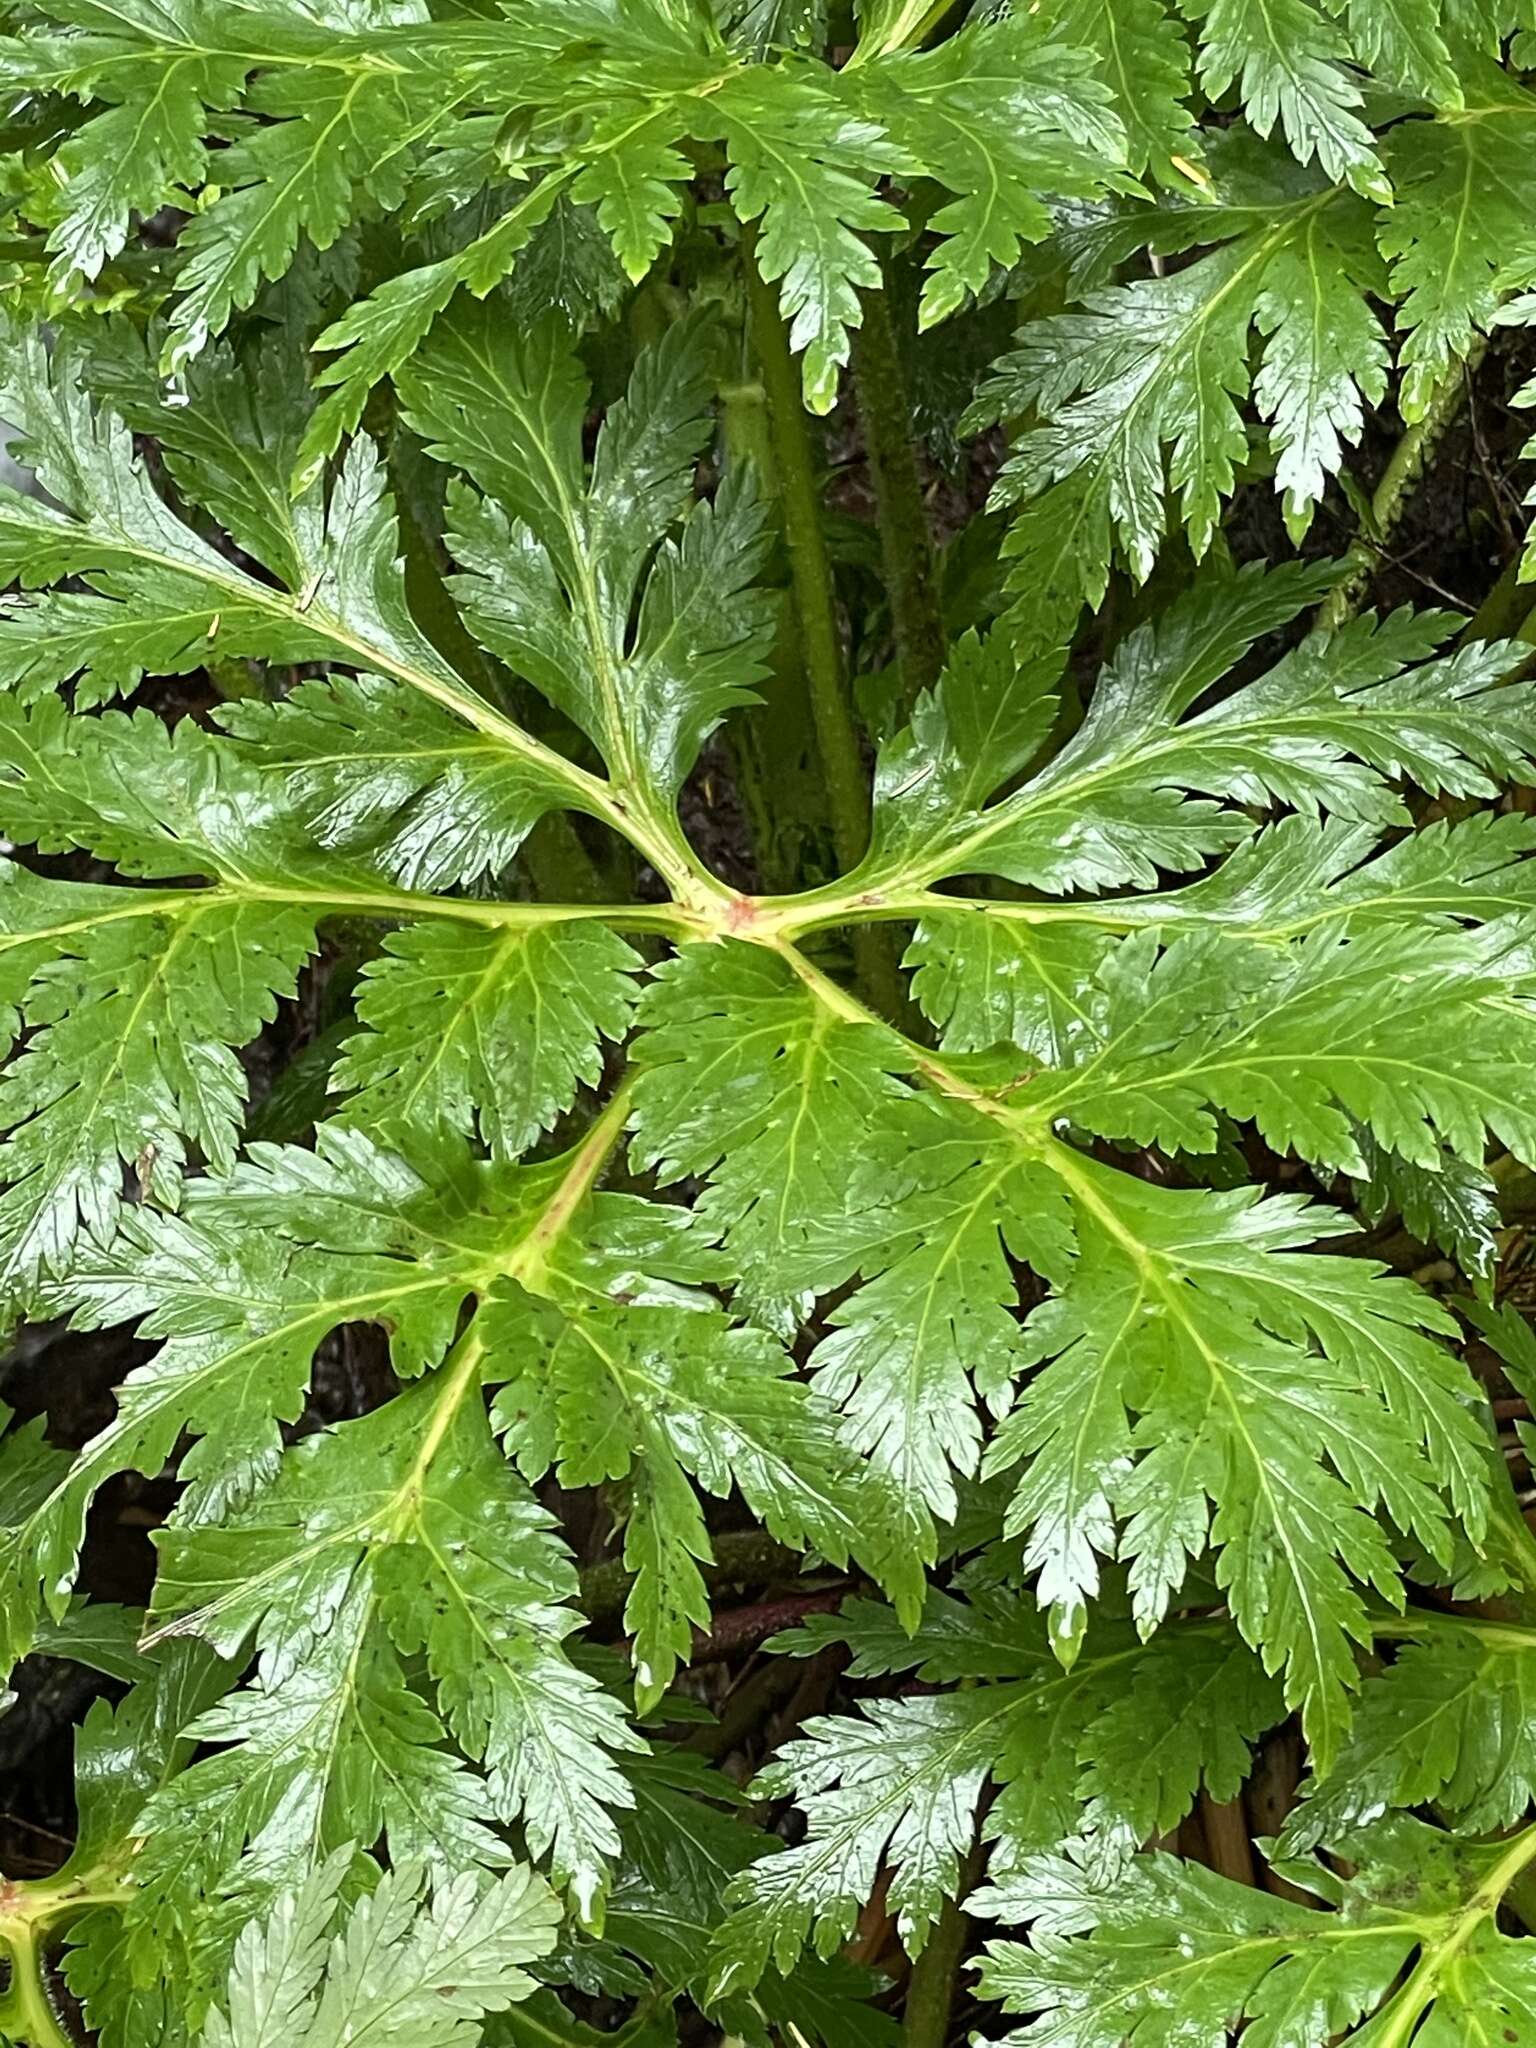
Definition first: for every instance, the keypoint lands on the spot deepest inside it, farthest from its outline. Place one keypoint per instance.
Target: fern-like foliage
(1422, 1906)
(421, 621)
(602, 99)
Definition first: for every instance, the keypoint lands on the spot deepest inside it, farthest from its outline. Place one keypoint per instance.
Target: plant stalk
(1226, 1835)
(810, 567)
(1389, 501)
(772, 746)
(906, 543)
(837, 733)
(27, 2013)
(929, 2010)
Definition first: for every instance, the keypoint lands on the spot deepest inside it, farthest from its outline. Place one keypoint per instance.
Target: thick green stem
(799, 500)
(837, 734)
(1390, 499)
(772, 745)
(27, 2014)
(929, 2011)
(906, 543)
(29, 1914)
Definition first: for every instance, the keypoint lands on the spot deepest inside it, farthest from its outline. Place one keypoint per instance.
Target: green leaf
(122, 1757)
(107, 514)
(1329, 726)
(259, 1269)
(1000, 114)
(804, 168)
(242, 1320)
(230, 444)
(995, 973)
(1304, 1044)
(1182, 1381)
(1303, 873)
(1458, 239)
(631, 607)
(648, 1394)
(100, 1636)
(371, 770)
(149, 147)
(126, 789)
(1139, 395)
(633, 183)
(908, 1776)
(1454, 1206)
(311, 139)
(135, 1009)
(1290, 65)
(568, 268)
(1403, 42)
(936, 1210)
(627, 1371)
(985, 981)
(1116, 1943)
(404, 1532)
(746, 1079)
(400, 1969)
(327, 126)
(485, 1030)
(1446, 1725)
(759, 25)
(984, 720)
(1196, 1701)
(902, 1785)
(168, 607)
(1143, 60)
(351, 605)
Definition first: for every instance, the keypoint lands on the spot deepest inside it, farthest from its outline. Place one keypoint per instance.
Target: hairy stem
(772, 745)
(1389, 500)
(799, 500)
(837, 735)
(906, 544)
(928, 2014)
(27, 2013)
